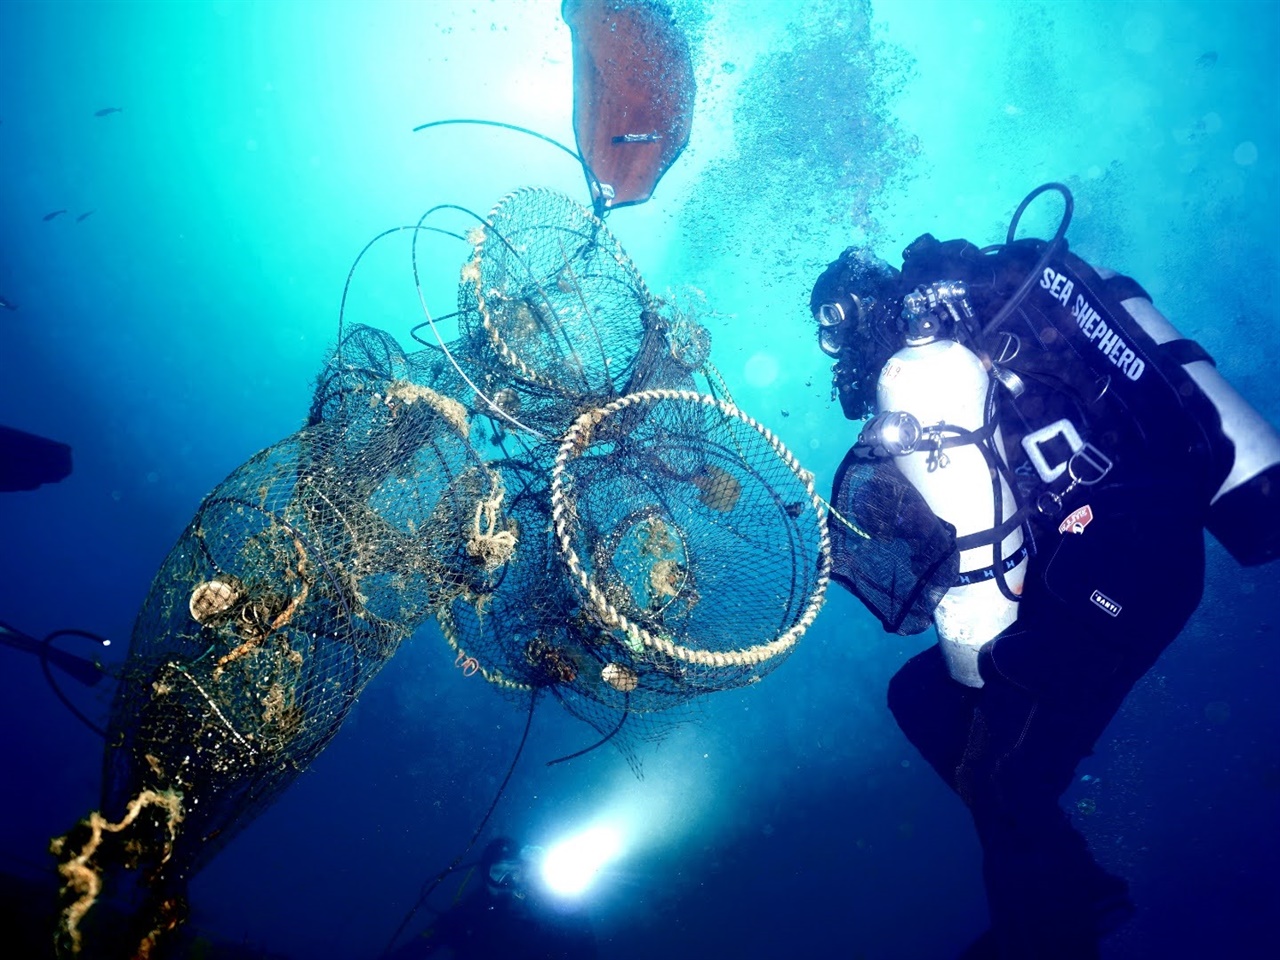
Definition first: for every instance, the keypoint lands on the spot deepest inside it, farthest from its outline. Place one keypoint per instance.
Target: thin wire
(593, 182)
(503, 126)
(430, 888)
(346, 287)
(426, 312)
(413, 332)
(626, 712)
(46, 646)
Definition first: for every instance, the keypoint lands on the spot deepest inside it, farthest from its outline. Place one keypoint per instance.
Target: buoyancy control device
(1081, 380)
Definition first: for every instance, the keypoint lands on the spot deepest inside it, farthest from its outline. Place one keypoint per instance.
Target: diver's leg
(933, 711)
(1046, 892)
(1053, 682)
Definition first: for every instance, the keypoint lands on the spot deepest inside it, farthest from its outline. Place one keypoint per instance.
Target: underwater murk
(446, 464)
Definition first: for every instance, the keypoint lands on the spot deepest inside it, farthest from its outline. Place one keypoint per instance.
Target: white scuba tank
(941, 381)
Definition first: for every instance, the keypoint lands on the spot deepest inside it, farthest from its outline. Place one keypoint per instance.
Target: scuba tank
(1093, 351)
(1095, 395)
(936, 395)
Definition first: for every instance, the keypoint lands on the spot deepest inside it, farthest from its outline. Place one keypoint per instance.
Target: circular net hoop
(364, 359)
(692, 534)
(556, 320)
(557, 299)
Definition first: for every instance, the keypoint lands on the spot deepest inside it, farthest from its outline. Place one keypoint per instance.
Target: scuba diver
(507, 918)
(1043, 453)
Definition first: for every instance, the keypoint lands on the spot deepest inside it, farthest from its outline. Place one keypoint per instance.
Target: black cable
(430, 888)
(346, 287)
(413, 332)
(45, 649)
(626, 712)
(1068, 206)
(503, 126)
(597, 194)
(1050, 251)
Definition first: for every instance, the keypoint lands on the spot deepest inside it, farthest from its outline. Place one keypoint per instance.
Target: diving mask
(834, 318)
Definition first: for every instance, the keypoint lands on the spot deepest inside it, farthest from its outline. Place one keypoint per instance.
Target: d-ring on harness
(1085, 466)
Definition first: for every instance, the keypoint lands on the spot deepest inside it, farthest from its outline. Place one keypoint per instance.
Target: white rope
(635, 637)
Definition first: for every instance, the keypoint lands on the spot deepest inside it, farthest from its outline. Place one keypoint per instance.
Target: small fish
(55, 213)
(107, 111)
(1207, 60)
(85, 216)
(7, 304)
(638, 138)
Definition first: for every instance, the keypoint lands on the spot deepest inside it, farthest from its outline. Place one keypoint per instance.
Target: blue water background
(177, 330)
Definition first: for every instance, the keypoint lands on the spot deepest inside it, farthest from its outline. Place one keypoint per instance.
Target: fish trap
(552, 308)
(294, 584)
(694, 539)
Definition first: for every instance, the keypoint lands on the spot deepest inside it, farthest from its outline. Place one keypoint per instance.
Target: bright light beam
(572, 865)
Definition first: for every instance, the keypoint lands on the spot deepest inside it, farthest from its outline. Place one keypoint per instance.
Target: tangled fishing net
(692, 535)
(616, 540)
(558, 319)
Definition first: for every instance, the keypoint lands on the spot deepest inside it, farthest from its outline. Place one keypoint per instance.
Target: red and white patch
(1077, 521)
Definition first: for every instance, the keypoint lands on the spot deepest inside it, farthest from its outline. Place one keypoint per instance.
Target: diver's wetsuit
(1106, 589)
(1052, 682)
